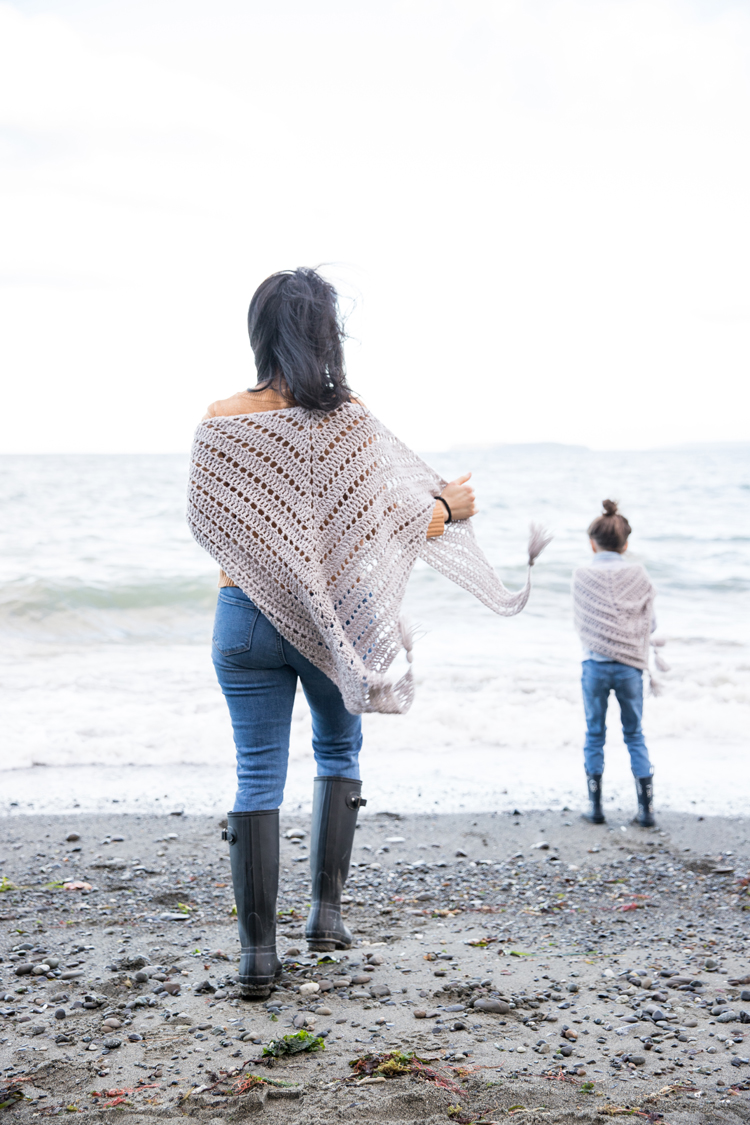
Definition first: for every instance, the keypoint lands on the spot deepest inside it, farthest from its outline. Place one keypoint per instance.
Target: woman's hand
(459, 496)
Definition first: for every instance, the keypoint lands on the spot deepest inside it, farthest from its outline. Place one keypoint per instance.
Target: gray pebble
(60, 1014)
(112, 1044)
(501, 1007)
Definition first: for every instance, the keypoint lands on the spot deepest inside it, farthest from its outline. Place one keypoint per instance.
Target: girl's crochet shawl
(319, 518)
(613, 612)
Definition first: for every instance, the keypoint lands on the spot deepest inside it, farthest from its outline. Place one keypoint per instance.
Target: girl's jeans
(258, 670)
(598, 679)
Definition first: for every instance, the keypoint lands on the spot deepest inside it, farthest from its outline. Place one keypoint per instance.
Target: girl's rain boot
(644, 788)
(254, 856)
(595, 815)
(336, 801)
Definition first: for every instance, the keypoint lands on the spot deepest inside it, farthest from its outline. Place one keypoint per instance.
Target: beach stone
(308, 988)
(710, 965)
(727, 1017)
(341, 982)
(134, 1037)
(323, 1011)
(112, 1022)
(375, 959)
(360, 978)
(744, 1016)
(456, 1008)
(23, 969)
(172, 987)
(325, 985)
(38, 1028)
(60, 1014)
(379, 990)
(112, 1043)
(420, 1014)
(483, 1004)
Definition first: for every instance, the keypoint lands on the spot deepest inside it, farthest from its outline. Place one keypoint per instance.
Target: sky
(536, 212)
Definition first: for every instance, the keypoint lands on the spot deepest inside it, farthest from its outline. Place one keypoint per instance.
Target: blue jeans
(598, 679)
(257, 671)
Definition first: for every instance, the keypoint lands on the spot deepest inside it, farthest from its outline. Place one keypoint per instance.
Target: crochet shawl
(613, 612)
(319, 518)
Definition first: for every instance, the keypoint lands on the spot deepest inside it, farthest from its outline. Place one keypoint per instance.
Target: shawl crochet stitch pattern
(613, 611)
(319, 518)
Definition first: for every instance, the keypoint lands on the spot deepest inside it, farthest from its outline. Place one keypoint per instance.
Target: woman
(316, 514)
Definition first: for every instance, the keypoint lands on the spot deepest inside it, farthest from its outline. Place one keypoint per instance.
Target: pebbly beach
(524, 959)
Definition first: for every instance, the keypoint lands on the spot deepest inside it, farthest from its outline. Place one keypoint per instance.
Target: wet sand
(531, 960)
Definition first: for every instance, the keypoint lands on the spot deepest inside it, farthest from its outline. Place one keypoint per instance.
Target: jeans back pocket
(233, 624)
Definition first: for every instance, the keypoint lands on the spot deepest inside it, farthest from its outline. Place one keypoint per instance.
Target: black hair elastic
(447, 508)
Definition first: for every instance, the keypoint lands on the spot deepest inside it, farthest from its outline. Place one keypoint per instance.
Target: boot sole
(323, 945)
(593, 819)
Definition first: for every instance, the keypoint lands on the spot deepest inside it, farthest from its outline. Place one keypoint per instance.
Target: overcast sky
(539, 208)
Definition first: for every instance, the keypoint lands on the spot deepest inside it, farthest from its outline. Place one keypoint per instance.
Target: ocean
(108, 693)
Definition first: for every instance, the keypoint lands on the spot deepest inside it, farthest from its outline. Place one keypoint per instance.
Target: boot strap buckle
(229, 835)
(354, 801)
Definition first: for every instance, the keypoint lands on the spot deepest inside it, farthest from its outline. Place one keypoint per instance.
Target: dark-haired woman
(613, 601)
(316, 514)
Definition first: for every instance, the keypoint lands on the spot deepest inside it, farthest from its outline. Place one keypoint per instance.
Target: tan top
(255, 402)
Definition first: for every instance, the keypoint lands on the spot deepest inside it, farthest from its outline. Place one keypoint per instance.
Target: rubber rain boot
(253, 839)
(595, 815)
(644, 788)
(336, 801)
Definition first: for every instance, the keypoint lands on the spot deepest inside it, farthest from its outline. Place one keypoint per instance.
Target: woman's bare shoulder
(246, 402)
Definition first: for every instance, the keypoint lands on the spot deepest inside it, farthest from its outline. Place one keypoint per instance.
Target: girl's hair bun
(610, 507)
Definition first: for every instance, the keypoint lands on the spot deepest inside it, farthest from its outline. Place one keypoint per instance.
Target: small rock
(205, 986)
(38, 1028)
(23, 969)
(60, 1014)
(420, 1014)
(456, 1008)
(325, 985)
(112, 1022)
(293, 952)
(379, 990)
(140, 977)
(361, 978)
(310, 987)
(542, 845)
(376, 959)
(172, 987)
(72, 837)
(710, 965)
(134, 1037)
(342, 982)
(501, 1007)
(323, 1011)
(112, 1044)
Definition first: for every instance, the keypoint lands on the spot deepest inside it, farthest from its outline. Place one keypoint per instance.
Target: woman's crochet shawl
(613, 611)
(319, 518)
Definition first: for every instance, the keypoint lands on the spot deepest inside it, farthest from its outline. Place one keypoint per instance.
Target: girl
(613, 603)
(316, 514)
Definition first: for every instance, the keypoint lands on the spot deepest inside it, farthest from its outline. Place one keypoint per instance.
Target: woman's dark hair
(610, 530)
(297, 336)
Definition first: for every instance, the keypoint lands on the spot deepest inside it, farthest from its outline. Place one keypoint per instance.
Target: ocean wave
(173, 609)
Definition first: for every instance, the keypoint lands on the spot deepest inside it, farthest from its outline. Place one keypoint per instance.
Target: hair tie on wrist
(447, 508)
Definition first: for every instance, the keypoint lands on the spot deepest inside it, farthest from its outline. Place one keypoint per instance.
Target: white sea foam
(105, 616)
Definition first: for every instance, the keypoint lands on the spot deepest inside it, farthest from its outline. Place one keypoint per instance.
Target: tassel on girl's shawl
(656, 686)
